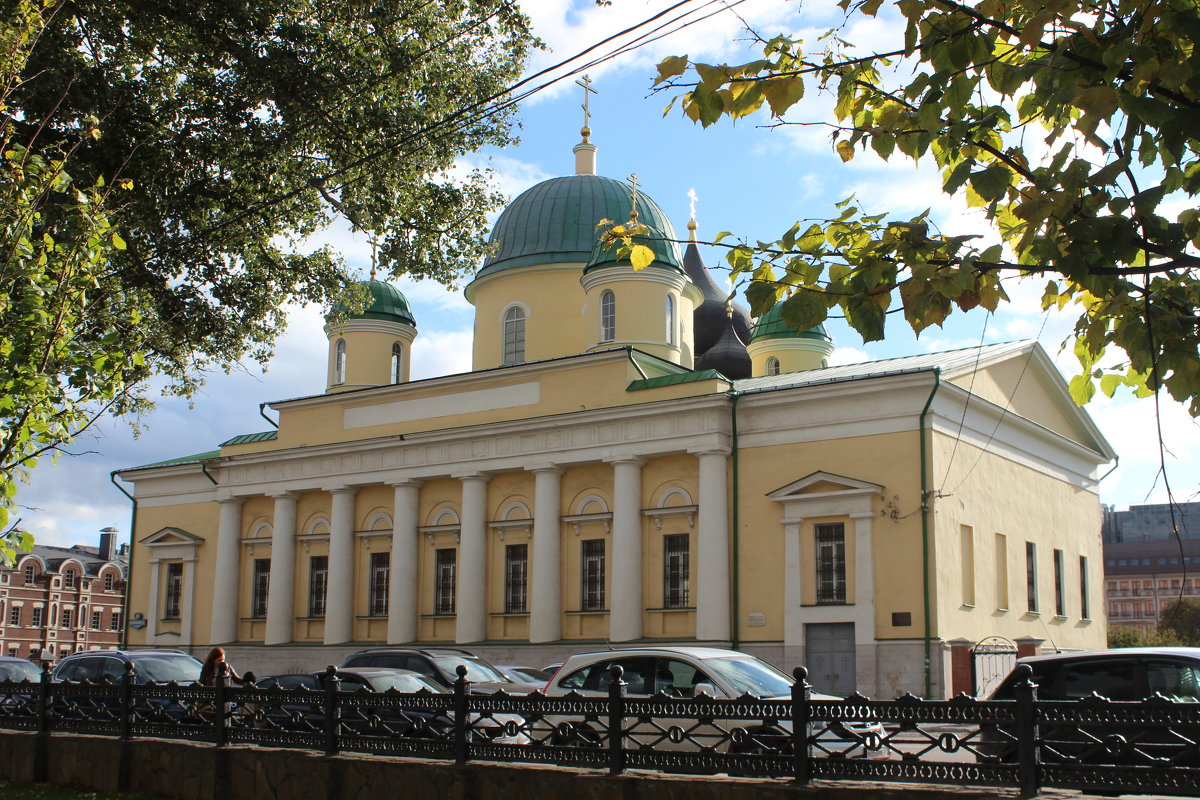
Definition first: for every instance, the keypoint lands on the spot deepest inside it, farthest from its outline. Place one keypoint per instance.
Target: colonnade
(711, 581)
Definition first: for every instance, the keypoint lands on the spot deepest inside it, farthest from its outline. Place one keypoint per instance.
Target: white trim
(514, 304)
(311, 528)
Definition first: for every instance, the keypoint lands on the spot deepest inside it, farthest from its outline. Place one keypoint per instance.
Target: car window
(16, 671)
(750, 676)
(477, 670)
(1174, 680)
(1043, 677)
(162, 668)
(409, 684)
(352, 685)
(639, 674)
(293, 682)
(85, 669)
(678, 678)
(111, 668)
(417, 664)
(1111, 678)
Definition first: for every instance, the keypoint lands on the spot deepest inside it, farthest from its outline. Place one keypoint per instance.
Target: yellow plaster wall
(1029, 398)
(790, 359)
(368, 358)
(1001, 496)
(552, 327)
(436, 496)
(641, 316)
(659, 477)
(504, 490)
(579, 483)
(890, 460)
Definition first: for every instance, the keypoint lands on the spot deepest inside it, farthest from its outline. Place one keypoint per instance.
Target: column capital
(545, 466)
(861, 515)
(284, 495)
(471, 476)
(340, 489)
(710, 451)
(630, 459)
(415, 483)
(227, 497)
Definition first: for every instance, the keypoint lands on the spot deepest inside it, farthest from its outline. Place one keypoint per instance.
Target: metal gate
(991, 661)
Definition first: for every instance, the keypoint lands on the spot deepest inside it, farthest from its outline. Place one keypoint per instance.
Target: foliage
(1129, 636)
(1180, 619)
(164, 161)
(1108, 216)
(44, 791)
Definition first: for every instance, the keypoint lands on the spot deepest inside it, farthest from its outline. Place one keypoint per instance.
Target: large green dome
(555, 221)
(666, 253)
(387, 303)
(771, 326)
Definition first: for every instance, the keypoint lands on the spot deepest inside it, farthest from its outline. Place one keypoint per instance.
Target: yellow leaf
(641, 256)
(845, 150)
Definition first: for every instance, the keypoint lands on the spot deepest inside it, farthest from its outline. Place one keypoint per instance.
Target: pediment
(824, 484)
(170, 536)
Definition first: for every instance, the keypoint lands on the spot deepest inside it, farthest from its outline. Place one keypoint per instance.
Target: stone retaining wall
(196, 771)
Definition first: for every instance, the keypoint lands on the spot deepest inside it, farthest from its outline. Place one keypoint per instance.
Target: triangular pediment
(170, 535)
(824, 484)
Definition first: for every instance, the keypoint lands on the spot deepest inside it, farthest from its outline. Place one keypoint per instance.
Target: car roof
(1179, 652)
(695, 652)
(425, 651)
(370, 672)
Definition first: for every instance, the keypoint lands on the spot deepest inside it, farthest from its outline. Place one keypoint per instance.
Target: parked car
(687, 672)
(440, 666)
(19, 669)
(1122, 674)
(530, 675)
(386, 719)
(159, 666)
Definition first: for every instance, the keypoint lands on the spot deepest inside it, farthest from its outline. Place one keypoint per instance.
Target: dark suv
(1131, 673)
(441, 667)
(160, 666)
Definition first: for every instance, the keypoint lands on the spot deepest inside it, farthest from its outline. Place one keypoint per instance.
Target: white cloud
(847, 355)
(441, 353)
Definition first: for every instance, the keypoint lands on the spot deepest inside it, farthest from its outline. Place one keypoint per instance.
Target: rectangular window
(258, 588)
(13, 651)
(95, 620)
(29, 574)
(171, 606)
(831, 563)
(378, 601)
(676, 567)
(516, 578)
(318, 580)
(108, 582)
(115, 623)
(1060, 589)
(66, 618)
(445, 585)
(1085, 608)
(592, 574)
(1031, 587)
(69, 579)
(966, 536)
(37, 617)
(1001, 572)
(14, 615)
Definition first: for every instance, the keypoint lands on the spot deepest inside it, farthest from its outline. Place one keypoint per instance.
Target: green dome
(387, 303)
(771, 326)
(666, 254)
(555, 221)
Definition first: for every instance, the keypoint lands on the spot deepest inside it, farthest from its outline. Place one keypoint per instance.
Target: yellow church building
(633, 460)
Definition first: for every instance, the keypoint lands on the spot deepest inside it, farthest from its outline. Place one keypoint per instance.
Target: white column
(402, 594)
(711, 588)
(339, 603)
(281, 591)
(625, 596)
(225, 578)
(545, 613)
(188, 600)
(151, 612)
(864, 578)
(793, 584)
(471, 625)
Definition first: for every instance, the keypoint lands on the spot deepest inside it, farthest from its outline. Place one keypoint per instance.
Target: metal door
(829, 651)
(991, 661)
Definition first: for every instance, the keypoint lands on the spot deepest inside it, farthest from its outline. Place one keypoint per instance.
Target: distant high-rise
(1151, 523)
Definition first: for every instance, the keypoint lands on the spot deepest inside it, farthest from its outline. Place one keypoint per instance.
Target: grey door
(829, 650)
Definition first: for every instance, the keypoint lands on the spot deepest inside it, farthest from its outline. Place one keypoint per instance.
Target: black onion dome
(728, 356)
(710, 318)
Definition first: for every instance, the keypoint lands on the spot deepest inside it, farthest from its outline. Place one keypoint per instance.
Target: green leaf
(671, 67)
(1082, 389)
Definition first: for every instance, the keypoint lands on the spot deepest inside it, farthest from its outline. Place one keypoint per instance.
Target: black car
(441, 667)
(157, 666)
(19, 669)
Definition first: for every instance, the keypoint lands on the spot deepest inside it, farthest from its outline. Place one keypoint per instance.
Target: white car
(685, 673)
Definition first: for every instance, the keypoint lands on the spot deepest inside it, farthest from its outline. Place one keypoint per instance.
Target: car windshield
(16, 671)
(162, 669)
(476, 670)
(749, 676)
(404, 683)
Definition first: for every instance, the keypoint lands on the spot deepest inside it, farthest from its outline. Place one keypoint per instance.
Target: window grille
(318, 579)
(831, 563)
(516, 578)
(174, 590)
(676, 557)
(380, 568)
(592, 574)
(262, 582)
(444, 582)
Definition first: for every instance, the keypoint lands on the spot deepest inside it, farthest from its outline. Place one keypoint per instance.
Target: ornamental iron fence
(1092, 745)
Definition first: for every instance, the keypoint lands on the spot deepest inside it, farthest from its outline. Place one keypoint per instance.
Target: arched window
(772, 366)
(397, 353)
(514, 336)
(670, 320)
(608, 316)
(339, 362)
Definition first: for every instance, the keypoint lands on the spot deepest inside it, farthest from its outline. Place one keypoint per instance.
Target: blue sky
(752, 180)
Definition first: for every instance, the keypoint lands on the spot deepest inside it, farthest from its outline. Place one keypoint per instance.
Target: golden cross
(633, 181)
(586, 83)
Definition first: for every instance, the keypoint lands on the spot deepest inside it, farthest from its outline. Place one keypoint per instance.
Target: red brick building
(60, 600)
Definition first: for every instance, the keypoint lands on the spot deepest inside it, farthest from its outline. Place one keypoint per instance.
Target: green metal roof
(183, 460)
(248, 438)
(387, 303)
(672, 380)
(771, 326)
(666, 254)
(555, 221)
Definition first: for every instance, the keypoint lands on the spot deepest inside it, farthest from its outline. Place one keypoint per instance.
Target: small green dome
(555, 221)
(387, 303)
(771, 326)
(666, 254)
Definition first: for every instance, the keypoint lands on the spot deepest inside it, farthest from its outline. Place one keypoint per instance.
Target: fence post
(616, 721)
(801, 712)
(462, 688)
(220, 722)
(331, 710)
(43, 728)
(1028, 761)
(127, 702)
